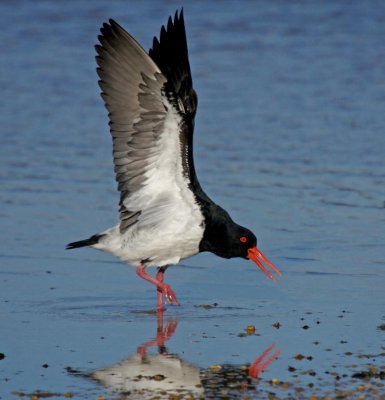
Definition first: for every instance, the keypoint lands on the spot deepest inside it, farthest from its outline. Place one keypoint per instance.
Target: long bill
(256, 255)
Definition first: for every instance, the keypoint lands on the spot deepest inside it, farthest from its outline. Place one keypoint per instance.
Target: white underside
(170, 226)
(154, 246)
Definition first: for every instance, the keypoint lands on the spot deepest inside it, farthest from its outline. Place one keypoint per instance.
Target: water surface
(289, 138)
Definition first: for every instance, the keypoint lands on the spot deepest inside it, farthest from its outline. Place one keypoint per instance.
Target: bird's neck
(218, 224)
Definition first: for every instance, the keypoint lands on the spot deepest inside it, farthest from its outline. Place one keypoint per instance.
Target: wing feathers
(142, 93)
(127, 77)
(170, 54)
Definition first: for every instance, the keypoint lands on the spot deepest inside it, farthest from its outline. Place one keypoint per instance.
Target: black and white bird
(165, 216)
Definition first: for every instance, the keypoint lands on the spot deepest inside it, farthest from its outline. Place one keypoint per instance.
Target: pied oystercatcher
(165, 216)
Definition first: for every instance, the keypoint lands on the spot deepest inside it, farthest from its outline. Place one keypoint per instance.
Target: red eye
(243, 239)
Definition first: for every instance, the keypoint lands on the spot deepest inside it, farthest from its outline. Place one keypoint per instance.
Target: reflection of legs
(162, 288)
(161, 335)
(260, 364)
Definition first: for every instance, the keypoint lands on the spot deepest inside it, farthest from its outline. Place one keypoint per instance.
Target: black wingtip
(178, 19)
(181, 18)
(108, 28)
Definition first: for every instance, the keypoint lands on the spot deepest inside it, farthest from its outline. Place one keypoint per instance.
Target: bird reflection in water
(146, 375)
(143, 375)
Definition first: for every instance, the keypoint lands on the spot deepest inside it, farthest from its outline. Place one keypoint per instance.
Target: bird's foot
(168, 294)
(163, 288)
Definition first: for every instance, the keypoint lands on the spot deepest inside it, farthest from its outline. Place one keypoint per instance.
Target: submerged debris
(370, 373)
(250, 329)
(300, 357)
(207, 306)
(42, 394)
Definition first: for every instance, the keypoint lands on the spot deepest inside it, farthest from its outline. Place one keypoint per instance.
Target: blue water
(289, 138)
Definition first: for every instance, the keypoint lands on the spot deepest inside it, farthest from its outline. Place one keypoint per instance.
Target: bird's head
(227, 239)
(245, 246)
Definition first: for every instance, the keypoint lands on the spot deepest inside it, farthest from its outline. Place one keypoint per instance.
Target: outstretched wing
(170, 54)
(151, 107)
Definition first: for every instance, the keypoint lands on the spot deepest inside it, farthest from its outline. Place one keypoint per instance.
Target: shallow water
(289, 138)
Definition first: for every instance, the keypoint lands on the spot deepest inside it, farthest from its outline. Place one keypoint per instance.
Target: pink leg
(162, 288)
(160, 278)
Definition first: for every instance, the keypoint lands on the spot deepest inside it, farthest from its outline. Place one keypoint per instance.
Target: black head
(241, 241)
(225, 238)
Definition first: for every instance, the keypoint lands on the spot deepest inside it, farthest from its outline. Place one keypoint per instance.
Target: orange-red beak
(257, 256)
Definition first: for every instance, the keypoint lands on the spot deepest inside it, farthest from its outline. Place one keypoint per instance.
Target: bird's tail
(82, 243)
